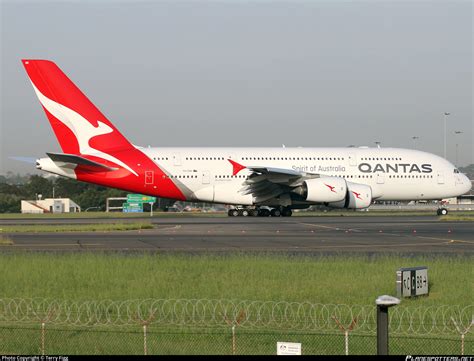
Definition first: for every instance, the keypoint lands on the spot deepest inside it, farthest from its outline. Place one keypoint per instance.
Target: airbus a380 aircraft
(259, 181)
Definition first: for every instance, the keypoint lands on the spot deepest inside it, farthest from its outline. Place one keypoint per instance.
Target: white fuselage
(205, 174)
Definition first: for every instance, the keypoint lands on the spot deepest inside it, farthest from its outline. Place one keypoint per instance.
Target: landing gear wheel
(263, 212)
(253, 213)
(442, 211)
(233, 213)
(286, 212)
(275, 212)
(244, 212)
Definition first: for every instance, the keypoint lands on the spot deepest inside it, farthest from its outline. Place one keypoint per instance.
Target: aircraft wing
(265, 183)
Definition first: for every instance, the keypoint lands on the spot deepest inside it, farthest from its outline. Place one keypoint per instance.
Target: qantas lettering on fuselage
(395, 168)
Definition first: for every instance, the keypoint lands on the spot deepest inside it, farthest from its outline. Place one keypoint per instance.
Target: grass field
(458, 217)
(265, 277)
(329, 279)
(99, 227)
(5, 241)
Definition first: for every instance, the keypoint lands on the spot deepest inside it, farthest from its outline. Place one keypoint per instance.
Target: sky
(247, 73)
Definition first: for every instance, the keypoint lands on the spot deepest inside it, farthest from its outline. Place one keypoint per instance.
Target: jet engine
(357, 196)
(323, 190)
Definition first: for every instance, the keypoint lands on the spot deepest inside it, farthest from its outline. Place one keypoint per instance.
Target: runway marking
(333, 228)
(167, 228)
(379, 245)
(460, 241)
(58, 244)
(447, 240)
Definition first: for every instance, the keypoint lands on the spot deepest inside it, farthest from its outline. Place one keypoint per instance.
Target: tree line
(14, 188)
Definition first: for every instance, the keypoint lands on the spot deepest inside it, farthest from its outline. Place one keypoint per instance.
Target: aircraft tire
(287, 212)
(263, 212)
(275, 212)
(442, 211)
(244, 213)
(233, 213)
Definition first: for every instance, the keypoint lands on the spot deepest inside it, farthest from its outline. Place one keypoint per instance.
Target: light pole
(414, 141)
(445, 120)
(457, 132)
(383, 303)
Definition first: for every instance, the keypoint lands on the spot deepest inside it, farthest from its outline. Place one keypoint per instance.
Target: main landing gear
(260, 212)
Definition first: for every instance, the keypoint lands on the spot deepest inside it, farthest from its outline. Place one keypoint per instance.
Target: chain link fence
(41, 326)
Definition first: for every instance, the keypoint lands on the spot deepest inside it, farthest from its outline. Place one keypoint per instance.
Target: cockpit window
(456, 170)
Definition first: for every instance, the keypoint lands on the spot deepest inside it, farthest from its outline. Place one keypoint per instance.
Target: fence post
(145, 351)
(43, 330)
(466, 330)
(42, 338)
(346, 331)
(233, 340)
(234, 323)
(145, 324)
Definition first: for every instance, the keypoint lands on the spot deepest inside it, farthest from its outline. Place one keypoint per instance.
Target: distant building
(466, 199)
(50, 205)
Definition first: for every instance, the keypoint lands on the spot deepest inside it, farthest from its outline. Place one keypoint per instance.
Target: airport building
(49, 205)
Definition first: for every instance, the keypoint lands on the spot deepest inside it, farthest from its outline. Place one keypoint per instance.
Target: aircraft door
(206, 177)
(149, 175)
(352, 160)
(440, 178)
(176, 159)
(380, 178)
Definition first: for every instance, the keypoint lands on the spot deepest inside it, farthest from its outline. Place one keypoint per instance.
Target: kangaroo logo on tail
(82, 129)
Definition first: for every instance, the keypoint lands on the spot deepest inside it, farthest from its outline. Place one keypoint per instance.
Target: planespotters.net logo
(439, 358)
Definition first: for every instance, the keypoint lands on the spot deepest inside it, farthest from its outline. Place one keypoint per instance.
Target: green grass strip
(456, 217)
(101, 227)
(317, 279)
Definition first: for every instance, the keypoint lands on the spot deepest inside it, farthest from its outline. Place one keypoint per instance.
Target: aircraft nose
(467, 183)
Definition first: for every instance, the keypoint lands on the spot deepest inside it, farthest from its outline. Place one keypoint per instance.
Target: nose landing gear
(442, 211)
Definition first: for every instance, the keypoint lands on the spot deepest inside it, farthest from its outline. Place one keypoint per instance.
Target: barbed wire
(244, 313)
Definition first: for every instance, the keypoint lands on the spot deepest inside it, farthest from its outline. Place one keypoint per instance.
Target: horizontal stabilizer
(31, 160)
(78, 160)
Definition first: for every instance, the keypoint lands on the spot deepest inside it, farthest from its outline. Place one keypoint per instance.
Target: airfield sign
(140, 198)
(288, 348)
(132, 207)
(412, 281)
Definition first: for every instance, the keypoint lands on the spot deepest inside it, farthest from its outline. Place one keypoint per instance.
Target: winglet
(236, 167)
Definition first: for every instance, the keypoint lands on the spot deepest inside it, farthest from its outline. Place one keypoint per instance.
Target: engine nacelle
(358, 196)
(323, 190)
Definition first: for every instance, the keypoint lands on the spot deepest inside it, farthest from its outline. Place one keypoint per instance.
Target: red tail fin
(79, 126)
(106, 156)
